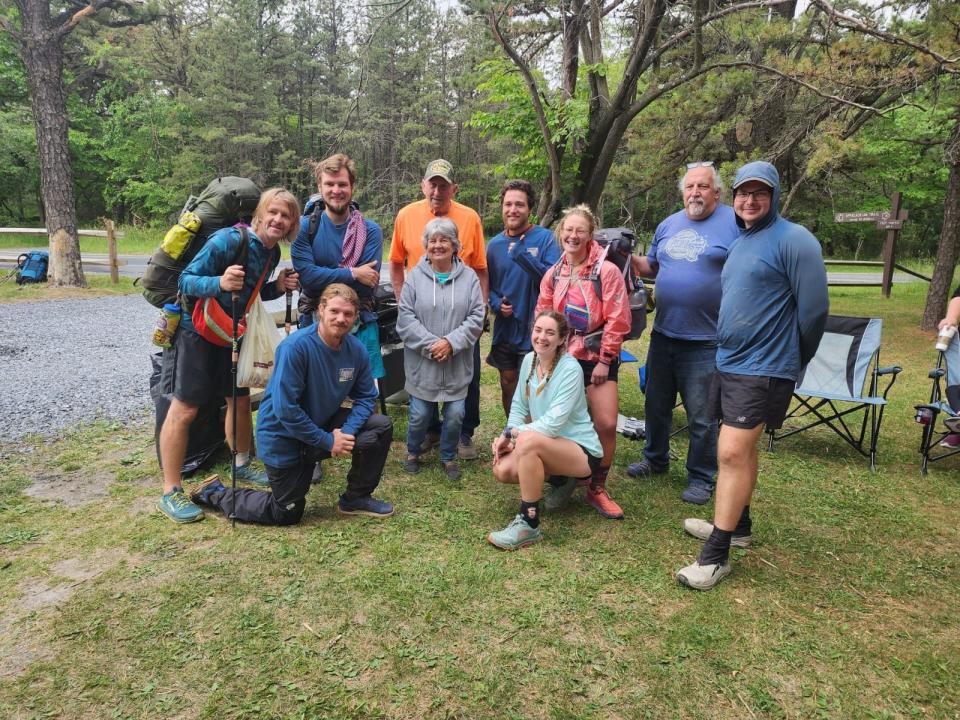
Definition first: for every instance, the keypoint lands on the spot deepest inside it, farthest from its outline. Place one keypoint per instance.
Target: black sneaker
(645, 469)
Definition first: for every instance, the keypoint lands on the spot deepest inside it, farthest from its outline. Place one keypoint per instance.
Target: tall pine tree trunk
(42, 53)
(949, 237)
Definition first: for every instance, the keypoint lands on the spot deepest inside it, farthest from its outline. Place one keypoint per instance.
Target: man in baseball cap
(439, 191)
(773, 308)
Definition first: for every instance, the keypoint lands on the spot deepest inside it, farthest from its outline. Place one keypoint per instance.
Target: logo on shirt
(346, 374)
(535, 251)
(686, 245)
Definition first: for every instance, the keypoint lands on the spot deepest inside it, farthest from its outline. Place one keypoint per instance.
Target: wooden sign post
(891, 221)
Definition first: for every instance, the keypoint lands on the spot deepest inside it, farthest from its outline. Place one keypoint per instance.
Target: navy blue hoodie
(774, 303)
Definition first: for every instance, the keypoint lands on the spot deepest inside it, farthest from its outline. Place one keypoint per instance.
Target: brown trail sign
(892, 221)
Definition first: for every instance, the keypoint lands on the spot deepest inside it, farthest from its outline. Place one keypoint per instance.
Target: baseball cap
(439, 168)
(747, 179)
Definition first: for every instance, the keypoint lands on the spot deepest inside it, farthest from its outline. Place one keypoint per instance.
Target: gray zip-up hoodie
(430, 311)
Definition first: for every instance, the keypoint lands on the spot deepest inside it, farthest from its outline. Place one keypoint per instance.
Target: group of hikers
(741, 306)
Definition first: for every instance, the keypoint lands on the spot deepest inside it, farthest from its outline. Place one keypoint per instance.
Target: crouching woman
(559, 438)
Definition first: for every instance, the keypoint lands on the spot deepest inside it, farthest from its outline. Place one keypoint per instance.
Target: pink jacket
(612, 311)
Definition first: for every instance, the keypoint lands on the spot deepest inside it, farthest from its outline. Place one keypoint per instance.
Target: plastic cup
(945, 336)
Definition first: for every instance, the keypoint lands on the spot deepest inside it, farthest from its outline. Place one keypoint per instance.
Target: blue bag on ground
(32, 267)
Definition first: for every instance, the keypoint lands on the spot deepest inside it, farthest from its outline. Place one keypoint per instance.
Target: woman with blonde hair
(589, 292)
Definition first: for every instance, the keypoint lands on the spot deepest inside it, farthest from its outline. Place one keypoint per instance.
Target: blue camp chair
(840, 387)
(943, 400)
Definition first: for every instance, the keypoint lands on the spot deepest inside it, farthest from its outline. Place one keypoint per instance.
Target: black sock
(717, 548)
(744, 524)
(530, 511)
(598, 478)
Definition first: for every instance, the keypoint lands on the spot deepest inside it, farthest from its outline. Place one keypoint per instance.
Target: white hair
(717, 180)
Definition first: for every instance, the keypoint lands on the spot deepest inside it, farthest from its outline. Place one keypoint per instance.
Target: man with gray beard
(686, 258)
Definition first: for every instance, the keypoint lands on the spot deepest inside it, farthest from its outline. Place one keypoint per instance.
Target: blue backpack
(32, 267)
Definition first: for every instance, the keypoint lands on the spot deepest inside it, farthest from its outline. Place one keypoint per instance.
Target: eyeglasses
(578, 232)
(755, 195)
(695, 165)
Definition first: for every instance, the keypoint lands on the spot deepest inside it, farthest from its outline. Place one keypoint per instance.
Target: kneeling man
(301, 422)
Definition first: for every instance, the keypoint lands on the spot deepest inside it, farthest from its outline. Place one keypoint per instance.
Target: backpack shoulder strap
(556, 273)
(314, 220)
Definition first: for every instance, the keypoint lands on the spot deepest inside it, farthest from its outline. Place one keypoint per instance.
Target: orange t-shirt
(407, 246)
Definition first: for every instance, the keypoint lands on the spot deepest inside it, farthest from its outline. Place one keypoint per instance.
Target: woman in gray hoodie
(440, 319)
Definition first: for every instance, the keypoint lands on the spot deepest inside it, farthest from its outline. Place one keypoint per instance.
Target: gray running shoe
(701, 529)
(702, 577)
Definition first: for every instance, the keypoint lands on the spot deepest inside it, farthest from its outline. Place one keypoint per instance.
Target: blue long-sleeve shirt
(318, 259)
(310, 380)
(774, 304)
(516, 266)
(201, 277)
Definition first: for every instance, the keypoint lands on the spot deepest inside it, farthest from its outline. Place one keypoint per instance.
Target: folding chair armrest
(936, 374)
(935, 409)
(891, 370)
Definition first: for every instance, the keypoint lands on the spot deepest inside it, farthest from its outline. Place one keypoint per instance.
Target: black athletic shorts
(505, 357)
(200, 370)
(588, 367)
(745, 401)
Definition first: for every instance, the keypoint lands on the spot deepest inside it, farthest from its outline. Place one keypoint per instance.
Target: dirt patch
(76, 487)
(18, 649)
(73, 488)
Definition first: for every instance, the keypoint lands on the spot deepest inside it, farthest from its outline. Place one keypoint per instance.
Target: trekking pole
(234, 302)
(289, 317)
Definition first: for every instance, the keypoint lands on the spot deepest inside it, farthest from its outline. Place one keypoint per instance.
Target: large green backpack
(224, 202)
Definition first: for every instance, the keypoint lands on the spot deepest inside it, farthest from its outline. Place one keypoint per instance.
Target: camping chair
(841, 380)
(941, 401)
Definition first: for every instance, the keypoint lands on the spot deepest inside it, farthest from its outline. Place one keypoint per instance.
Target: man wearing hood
(773, 309)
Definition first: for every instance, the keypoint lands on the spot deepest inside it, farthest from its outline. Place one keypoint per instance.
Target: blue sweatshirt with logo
(310, 380)
(774, 303)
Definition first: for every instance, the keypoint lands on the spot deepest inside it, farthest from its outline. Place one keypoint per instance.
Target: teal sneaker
(247, 473)
(557, 496)
(177, 506)
(516, 535)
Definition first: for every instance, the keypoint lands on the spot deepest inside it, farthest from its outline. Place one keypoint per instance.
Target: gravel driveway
(68, 361)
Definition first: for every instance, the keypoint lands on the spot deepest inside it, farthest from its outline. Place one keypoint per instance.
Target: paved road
(135, 265)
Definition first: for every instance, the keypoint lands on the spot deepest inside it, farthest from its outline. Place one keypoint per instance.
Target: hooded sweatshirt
(774, 303)
(609, 314)
(431, 310)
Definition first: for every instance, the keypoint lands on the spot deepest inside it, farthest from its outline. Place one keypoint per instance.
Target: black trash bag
(206, 438)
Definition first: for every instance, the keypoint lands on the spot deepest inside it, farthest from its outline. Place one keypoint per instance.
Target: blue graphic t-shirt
(690, 255)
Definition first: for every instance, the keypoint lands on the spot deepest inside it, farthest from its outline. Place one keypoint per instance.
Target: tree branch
(553, 157)
(8, 27)
(679, 37)
(860, 26)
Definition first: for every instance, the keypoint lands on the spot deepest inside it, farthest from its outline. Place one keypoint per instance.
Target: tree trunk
(949, 241)
(42, 53)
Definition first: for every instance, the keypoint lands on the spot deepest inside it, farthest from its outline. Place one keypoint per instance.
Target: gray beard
(695, 209)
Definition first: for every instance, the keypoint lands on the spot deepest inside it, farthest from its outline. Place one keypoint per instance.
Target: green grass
(135, 241)
(98, 285)
(845, 607)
